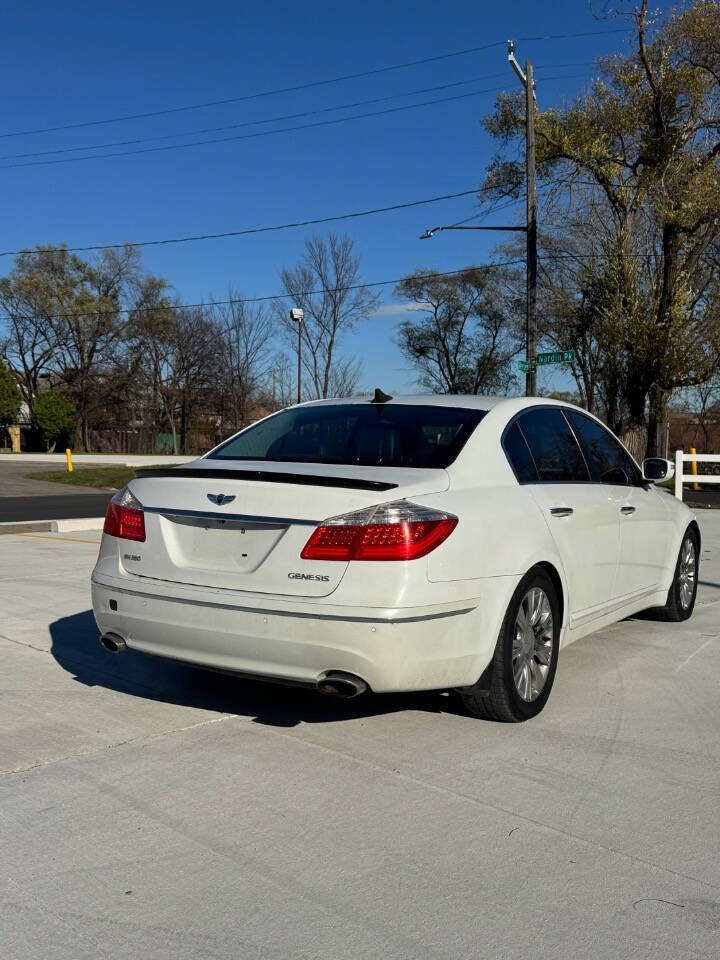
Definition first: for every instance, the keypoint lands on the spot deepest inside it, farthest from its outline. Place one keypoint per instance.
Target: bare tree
(176, 350)
(282, 372)
(345, 377)
(703, 400)
(462, 341)
(245, 334)
(325, 284)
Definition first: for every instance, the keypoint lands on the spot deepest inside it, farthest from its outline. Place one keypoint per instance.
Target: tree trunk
(183, 425)
(656, 417)
(85, 432)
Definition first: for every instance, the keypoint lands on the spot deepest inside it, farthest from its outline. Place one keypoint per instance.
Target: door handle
(627, 511)
(561, 511)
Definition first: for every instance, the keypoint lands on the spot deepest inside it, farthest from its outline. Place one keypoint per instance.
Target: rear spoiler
(264, 476)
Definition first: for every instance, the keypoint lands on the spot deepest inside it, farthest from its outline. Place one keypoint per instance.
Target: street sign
(542, 359)
(557, 356)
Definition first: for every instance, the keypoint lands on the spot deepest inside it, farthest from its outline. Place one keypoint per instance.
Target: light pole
(297, 315)
(530, 228)
(526, 78)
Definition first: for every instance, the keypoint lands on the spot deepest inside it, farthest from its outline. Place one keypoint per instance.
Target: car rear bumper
(419, 648)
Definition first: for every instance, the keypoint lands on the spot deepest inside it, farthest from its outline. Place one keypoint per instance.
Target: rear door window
(609, 462)
(554, 449)
(518, 453)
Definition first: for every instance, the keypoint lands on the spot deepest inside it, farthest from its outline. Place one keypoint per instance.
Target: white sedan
(414, 543)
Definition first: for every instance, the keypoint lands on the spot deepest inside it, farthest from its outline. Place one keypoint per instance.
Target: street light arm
(517, 68)
(428, 233)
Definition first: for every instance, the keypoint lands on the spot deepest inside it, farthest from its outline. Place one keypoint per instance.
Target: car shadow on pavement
(76, 648)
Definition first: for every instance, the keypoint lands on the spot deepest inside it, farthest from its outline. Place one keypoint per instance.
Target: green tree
(642, 145)
(67, 316)
(54, 415)
(10, 398)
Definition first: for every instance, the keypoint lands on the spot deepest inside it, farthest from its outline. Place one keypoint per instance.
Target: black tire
(676, 609)
(495, 696)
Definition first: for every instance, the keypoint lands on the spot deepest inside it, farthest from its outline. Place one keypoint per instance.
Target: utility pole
(297, 315)
(526, 78)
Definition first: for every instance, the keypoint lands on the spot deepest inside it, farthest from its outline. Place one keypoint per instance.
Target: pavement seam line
(142, 739)
(28, 646)
(435, 788)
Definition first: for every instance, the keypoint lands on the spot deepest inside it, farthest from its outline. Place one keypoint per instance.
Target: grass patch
(115, 477)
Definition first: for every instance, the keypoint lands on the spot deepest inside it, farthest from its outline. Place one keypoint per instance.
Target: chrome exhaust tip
(342, 685)
(113, 643)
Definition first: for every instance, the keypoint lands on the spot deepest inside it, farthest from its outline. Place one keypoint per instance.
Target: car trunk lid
(242, 525)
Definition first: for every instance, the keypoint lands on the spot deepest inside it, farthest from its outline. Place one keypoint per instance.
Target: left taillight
(125, 517)
(391, 531)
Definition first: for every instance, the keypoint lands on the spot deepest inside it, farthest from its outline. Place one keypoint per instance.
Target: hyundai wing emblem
(221, 498)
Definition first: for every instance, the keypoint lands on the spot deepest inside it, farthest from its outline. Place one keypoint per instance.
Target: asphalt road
(24, 499)
(702, 498)
(83, 505)
(151, 810)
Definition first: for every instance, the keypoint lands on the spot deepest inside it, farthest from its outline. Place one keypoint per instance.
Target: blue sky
(68, 64)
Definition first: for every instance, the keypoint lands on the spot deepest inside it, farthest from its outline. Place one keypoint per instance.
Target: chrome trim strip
(612, 606)
(274, 611)
(238, 517)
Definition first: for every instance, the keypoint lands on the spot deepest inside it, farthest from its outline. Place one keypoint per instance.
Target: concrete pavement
(151, 810)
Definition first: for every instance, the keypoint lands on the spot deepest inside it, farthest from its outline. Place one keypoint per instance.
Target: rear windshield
(371, 435)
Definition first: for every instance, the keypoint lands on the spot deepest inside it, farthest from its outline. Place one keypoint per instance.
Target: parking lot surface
(148, 809)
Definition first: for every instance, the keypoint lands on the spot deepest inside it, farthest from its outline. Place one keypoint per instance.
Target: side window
(554, 449)
(518, 453)
(608, 461)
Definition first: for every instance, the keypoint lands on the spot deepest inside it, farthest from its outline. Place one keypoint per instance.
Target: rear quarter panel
(501, 532)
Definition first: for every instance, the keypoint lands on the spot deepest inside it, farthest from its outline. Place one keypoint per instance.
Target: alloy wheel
(532, 644)
(687, 572)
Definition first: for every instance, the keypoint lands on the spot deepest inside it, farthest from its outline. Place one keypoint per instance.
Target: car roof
(509, 405)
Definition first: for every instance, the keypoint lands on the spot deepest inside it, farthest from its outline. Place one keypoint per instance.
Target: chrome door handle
(627, 510)
(561, 511)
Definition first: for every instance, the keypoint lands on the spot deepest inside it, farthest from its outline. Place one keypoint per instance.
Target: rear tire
(517, 683)
(683, 592)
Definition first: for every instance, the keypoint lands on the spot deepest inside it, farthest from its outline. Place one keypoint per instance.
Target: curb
(52, 526)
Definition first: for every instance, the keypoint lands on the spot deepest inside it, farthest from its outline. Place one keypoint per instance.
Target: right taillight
(391, 531)
(125, 517)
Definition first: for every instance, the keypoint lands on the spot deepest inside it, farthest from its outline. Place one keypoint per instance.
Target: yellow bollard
(693, 469)
(68, 456)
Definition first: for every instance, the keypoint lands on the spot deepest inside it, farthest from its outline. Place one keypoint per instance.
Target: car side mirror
(655, 469)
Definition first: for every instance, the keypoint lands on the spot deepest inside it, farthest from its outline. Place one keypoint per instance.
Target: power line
(252, 136)
(263, 133)
(256, 123)
(315, 221)
(496, 265)
(305, 86)
(285, 116)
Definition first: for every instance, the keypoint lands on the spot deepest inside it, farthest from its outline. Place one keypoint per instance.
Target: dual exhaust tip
(336, 683)
(113, 643)
(345, 686)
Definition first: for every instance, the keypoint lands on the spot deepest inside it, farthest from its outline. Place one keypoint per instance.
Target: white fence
(681, 457)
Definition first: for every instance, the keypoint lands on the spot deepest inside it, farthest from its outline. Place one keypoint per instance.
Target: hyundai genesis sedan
(397, 544)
